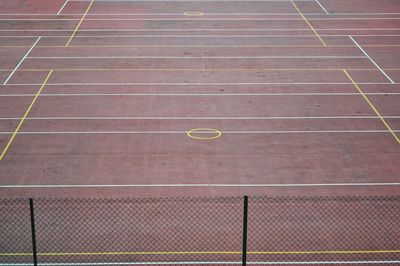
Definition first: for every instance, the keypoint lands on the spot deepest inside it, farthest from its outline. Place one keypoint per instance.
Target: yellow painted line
(373, 107)
(311, 252)
(309, 24)
(25, 115)
(79, 24)
(191, 133)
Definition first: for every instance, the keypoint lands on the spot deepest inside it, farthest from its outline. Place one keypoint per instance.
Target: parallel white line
(204, 185)
(20, 62)
(200, 36)
(322, 7)
(207, 14)
(61, 9)
(191, 30)
(192, 19)
(192, 0)
(150, 132)
(196, 84)
(198, 118)
(195, 57)
(375, 64)
(199, 94)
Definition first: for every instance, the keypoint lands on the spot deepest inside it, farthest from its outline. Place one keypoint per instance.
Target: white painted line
(207, 14)
(365, 184)
(194, 19)
(185, 131)
(202, 29)
(22, 60)
(199, 94)
(196, 57)
(190, 0)
(322, 7)
(197, 83)
(61, 9)
(202, 36)
(380, 69)
(197, 117)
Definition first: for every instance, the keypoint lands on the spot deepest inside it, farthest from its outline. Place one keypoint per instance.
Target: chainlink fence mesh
(200, 230)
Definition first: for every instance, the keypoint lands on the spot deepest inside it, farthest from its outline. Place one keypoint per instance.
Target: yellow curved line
(195, 130)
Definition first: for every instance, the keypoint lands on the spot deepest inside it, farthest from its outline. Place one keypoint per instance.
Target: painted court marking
(322, 7)
(197, 83)
(201, 57)
(350, 184)
(61, 9)
(193, 133)
(22, 60)
(14, 134)
(199, 94)
(171, 132)
(198, 13)
(196, 117)
(200, 29)
(79, 24)
(375, 64)
(373, 107)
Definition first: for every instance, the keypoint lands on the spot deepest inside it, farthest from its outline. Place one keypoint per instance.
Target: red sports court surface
(98, 98)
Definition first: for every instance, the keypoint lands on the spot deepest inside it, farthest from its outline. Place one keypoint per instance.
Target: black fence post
(245, 218)
(34, 252)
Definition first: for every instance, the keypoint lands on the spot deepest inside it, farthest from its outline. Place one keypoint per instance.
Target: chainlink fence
(206, 231)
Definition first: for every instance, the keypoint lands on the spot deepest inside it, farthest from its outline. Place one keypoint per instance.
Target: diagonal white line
(20, 62)
(61, 9)
(375, 64)
(322, 7)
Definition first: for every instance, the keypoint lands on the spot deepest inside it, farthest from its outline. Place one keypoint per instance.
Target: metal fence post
(245, 218)
(34, 252)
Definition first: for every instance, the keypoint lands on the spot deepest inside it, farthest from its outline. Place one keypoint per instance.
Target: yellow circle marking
(198, 13)
(204, 130)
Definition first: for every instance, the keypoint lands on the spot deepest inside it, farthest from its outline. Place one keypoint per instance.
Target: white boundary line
(365, 184)
(197, 117)
(199, 132)
(191, 1)
(190, 19)
(202, 36)
(61, 9)
(196, 84)
(22, 60)
(322, 7)
(190, 30)
(199, 94)
(207, 14)
(196, 57)
(380, 69)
